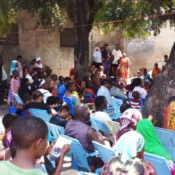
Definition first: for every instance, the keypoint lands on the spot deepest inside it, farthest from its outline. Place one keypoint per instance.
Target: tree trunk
(162, 89)
(81, 49)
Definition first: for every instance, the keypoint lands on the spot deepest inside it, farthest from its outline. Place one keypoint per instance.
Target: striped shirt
(136, 104)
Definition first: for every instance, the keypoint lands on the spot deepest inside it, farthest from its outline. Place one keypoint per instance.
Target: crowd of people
(72, 102)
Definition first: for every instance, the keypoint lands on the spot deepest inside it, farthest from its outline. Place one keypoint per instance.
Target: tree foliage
(53, 13)
(139, 17)
(7, 16)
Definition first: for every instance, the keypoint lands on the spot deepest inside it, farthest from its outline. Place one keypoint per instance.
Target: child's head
(15, 74)
(35, 78)
(19, 58)
(136, 95)
(8, 120)
(71, 86)
(30, 134)
(54, 77)
(64, 111)
(61, 79)
(51, 101)
(37, 96)
(124, 107)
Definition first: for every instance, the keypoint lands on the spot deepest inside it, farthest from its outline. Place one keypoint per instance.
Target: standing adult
(106, 55)
(3, 79)
(124, 67)
(97, 56)
(115, 63)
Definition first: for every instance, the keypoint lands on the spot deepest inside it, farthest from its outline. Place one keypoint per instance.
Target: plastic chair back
(116, 104)
(167, 139)
(69, 102)
(104, 152)
(39, 113)
(113, 126)
(98, 125)
(55, 130)
(17, 98)
(159, 163)
(79, 155)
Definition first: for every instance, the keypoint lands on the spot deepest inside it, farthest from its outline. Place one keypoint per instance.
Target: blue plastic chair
(159, 163)
(116, 105)
(104, 152)
(55, 130)
(167, 139)
(69, 102)
(98, 125)
(39, 113)
(79, 155)
(17, 98)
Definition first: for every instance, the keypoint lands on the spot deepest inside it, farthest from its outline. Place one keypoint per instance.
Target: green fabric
(152, 142)
(7, 168)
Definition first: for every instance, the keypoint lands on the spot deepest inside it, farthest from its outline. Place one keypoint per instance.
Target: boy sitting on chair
(30, 136)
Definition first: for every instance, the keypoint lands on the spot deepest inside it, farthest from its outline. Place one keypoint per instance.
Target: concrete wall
(44, 44)
(144, 53)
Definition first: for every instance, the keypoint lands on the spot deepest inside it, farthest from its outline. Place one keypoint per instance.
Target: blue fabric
(69, 102)
(61, 90)
(13, 66)
(12, 110)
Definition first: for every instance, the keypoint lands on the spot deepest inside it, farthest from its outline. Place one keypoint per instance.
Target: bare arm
(64, 151)
(94, 136)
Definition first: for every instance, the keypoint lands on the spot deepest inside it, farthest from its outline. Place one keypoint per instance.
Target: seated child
(30, 136)
(62, 116)
(136, 101)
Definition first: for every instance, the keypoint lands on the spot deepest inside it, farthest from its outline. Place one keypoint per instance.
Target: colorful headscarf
(13, 66)
(129, 145)
(169, 117)
(128, 120)
(116, 167)
(152, 142)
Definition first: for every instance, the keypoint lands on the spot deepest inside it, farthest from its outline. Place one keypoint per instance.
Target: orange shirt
(155, 72)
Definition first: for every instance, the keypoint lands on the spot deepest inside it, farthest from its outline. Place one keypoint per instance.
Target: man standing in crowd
(106, 55)
(117, 55)
(3, 79)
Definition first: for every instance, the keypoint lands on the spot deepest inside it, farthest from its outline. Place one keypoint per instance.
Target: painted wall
(145, 53)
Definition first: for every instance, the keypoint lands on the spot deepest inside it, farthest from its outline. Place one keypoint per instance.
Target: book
(56, 151)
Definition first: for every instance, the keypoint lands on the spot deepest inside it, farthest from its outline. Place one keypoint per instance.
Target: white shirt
(101, 116)
(141, 90)
(117, 54)
(29, 77)
(103, 91)
(39, 65)
(97, 57)
(46, 94)
(4, 74)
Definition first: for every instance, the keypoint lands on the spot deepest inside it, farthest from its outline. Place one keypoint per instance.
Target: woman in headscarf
(152, 142)
(14, 66)
(169, 115)
(128, 121)
(129, 146)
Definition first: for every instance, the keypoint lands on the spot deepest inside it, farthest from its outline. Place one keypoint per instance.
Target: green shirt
(7, 168)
